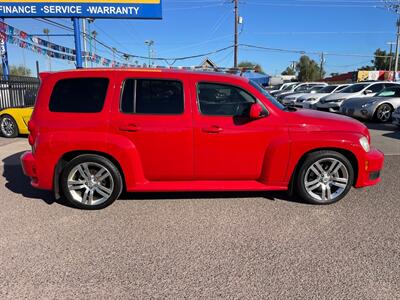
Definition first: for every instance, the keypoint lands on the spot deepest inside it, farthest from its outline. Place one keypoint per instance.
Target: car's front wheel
(91, 182)
(8, 127)
(325, 177)
(384, 113)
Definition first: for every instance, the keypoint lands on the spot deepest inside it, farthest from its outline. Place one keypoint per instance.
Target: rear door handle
(213, 129)
(130, 128)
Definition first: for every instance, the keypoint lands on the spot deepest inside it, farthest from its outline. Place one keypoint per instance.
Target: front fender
(301, 144)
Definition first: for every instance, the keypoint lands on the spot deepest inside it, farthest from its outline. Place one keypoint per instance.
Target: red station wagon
(96, 133)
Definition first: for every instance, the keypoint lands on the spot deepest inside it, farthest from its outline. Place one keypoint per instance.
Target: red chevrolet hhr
(95, 133)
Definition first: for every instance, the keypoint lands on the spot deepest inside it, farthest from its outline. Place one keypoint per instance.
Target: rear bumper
(369, 170)
(29, 167)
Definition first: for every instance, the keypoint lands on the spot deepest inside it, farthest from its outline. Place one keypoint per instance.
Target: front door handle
(130, 128)
(213, 129)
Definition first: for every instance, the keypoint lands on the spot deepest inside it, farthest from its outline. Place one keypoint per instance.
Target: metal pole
(84, 42)
(391, 57)
(37, 69)
(396, 64)
(78, 52)
(4, 54)
(235, 62)
(321, 68)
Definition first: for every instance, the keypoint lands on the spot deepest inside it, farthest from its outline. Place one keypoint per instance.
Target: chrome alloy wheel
(326, 179)
(90, 183)
(7, 126)
(384, 113)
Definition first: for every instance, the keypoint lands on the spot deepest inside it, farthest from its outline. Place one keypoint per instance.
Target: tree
(251, 65)
(19, 71)
(308, 69)
(289, 71)
(381, 61)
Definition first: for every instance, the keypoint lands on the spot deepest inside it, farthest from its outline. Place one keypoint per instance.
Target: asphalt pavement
(201, 245)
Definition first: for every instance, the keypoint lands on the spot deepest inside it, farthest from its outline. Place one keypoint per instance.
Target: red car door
(227, 145)
(155, 114)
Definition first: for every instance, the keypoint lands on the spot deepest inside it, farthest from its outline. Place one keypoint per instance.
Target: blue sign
(125, 9)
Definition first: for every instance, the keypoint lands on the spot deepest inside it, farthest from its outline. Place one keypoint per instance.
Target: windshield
(288, 87)
(390, 92)
(267, 95)
(328, 89)
(315, 89)
(355, 88)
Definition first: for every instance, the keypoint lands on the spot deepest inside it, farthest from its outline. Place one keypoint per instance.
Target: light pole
(84, 42)
(90, 21)
(46, 31)
(94, 35)
(236, 38)
(149, 43)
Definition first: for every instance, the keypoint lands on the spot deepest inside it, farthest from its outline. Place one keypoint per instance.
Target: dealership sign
(126, 9)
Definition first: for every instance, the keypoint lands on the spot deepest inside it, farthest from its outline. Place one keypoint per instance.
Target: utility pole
(394, 5)
(46, 31)
(321, 67)
(236, 46)
(396, 64)
(391, 55)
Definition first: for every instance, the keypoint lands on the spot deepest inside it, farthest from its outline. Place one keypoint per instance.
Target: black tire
(383, 118)
(9, 130)
(95, 160)
(321, 156)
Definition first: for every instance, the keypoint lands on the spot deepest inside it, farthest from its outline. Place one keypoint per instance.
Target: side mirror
(367, 92)
(256, 111)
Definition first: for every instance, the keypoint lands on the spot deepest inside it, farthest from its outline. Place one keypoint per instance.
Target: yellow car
(14, 121)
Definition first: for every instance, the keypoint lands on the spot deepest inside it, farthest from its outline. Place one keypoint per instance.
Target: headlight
(368, 104)
(365, 144)
(311, 99)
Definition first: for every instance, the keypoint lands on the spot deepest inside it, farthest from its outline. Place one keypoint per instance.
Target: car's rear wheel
(325, 177)
(8, 127)
(91, 182)
(384, 113)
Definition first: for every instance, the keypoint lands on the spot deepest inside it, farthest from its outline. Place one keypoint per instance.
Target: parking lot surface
(201, 245)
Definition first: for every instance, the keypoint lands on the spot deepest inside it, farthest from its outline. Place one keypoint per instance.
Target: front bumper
(356, 112)
(29, 167)
(333, 107)
(369, 170)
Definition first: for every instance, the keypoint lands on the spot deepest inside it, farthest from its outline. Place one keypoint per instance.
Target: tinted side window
(148, 96)
(223, 100)
(376, 88)
(79, 95)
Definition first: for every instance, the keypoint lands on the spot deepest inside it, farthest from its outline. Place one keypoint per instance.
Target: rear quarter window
(79, 95)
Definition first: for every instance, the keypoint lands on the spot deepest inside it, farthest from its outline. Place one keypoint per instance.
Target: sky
(352, 28)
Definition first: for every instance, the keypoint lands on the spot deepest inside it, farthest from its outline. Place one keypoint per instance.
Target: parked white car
(286, 87)
(292, 98)
(300, 88)
(309, 101)
(332, 103)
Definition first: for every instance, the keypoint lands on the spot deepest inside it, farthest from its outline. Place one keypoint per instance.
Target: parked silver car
(379, 108)
(309, 101)
(332, 103)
